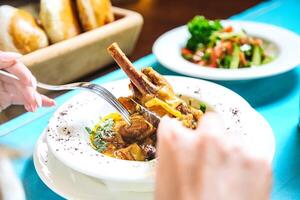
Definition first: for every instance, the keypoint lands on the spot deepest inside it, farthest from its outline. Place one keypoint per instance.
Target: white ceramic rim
(38, 168)
(94, 164)
(64, 181)
(167, 49)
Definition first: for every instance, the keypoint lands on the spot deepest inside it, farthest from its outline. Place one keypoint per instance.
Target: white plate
(167, 50)
(71, 184)
(69, 141)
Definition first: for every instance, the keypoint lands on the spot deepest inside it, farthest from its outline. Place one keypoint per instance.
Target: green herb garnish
(100, 145)
(202, 107)
(104, 131)
(88, 130)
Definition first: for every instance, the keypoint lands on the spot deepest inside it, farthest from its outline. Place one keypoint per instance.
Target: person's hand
(22, 92)
(203, 165)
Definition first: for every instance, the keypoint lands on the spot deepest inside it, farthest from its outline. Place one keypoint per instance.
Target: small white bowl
(69, 141)
(285, 47)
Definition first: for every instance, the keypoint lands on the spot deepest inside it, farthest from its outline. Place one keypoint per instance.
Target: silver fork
(97, 89)
(147, 114)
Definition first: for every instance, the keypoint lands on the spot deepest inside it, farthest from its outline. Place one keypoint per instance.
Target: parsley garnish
(202, 107)
(104, 131)
(88, 130)
(100, 145)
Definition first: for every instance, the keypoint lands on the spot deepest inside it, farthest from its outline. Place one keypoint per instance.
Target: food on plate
(19, 31)
(94, 13)
(59, 19)
(213, 45)
(113, 137)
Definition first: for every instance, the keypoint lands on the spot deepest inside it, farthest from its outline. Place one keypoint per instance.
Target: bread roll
(58, 19)
(19, 31)
(94, 13)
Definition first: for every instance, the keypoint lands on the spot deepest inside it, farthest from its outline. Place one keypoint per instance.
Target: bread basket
(86, 53)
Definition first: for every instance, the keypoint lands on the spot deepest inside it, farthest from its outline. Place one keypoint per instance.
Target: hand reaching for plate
(203, 164)
(22, 92)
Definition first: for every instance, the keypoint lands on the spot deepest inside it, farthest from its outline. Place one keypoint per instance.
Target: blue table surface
(276, 98)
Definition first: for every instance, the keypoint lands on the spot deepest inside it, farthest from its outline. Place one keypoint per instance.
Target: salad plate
(282, 45)
(64, 181)
(70, 142)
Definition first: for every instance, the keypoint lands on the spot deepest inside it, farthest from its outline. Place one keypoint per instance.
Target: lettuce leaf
(201, 29)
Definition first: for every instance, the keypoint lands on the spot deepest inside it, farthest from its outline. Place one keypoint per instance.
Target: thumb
(211, 123)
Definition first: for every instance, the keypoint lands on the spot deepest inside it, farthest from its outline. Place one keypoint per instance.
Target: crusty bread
(58, 19)
(94, 13)
(19, 31)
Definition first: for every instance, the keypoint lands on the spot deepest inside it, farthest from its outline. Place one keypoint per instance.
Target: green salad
(216, 46)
